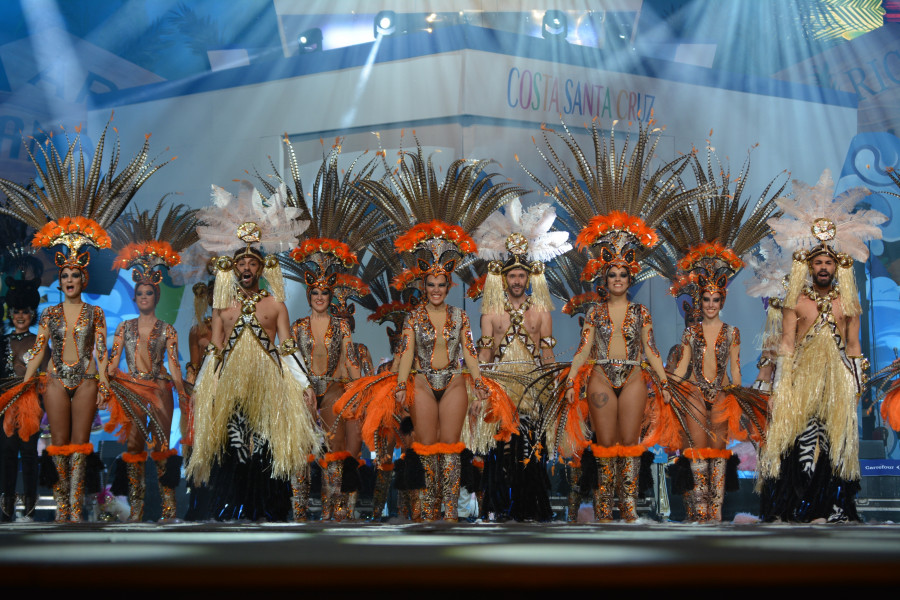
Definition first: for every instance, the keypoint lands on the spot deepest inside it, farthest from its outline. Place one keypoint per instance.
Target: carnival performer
(809, 466)
(429, 380)
(517, 335)
(703, 246)
(75, 330)
(141, 404)
(22, 301)
(341, 225)
(253, 420)
(617, 200)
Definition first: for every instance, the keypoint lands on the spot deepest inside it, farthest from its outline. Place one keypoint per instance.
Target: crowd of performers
(269, 407)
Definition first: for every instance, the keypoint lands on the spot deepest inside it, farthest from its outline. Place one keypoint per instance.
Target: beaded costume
(809, 466)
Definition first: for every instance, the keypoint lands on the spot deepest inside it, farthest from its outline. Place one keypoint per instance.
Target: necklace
(823, 303)
(517, 315)
(249, 301)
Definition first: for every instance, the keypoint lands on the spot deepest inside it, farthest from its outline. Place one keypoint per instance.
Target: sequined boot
(78, 462)
(7, 507)
(716, 488)
(60, 456)
(450, 475)
(300, 495)
(573, 474)
(166, 492)
(629, 467)
(339, 500)
(382, 487)
(700, 494)
(606, 482)
(135, 466)
(431, 495)
(29, 503)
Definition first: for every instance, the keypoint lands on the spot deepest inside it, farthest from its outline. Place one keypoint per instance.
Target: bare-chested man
(517, 340)
(252, 428)
(809, 467)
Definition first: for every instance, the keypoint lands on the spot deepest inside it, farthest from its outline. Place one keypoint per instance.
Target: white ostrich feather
(793, 231)
(278, 223)
(770, 265)
(534, 223)
(192, 267)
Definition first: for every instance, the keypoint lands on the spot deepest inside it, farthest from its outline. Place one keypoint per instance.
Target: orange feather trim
(331, 457)
(631, 451)
(371, 401)
(134, 457)
(163, 454)
(616, 220)
(82, 448)
(478, 462)
(326, 246)
(146, 251)
(890, 407)
(710, 250)
(575, 463)
(574, 413)
(726, 411)
(118, 419)
(50, 233)
(439, 448)
(605, 451)
(500, 409)
(63, 450)
(386, 466)
(436, 229)
(310, 458)
(23, 409)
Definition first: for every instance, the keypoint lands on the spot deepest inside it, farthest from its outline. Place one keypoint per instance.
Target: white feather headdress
(815, 223)
(239, 222)
(770, 265)
(523, 240)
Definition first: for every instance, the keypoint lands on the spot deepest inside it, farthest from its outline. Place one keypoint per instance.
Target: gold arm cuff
(548, 342)
(287, 347)
(485, 342)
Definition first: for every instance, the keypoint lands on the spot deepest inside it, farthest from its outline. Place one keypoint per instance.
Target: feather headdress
(708, 239)
(80, 204)
(519, 240)
(618, 198)
(816, 223)
(146, 244)
(438, 216)
(342, 224)
(234, 224)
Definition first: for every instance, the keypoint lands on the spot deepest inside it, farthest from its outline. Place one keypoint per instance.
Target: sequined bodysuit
(617, 370)
(425, 337)
(337, 330)
(89, 319)
(693, 338)
(156, 345)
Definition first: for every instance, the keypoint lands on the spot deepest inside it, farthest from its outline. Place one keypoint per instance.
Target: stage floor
(241, 558)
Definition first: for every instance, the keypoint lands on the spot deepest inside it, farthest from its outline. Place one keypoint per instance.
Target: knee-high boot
(168, 474)
(300, 495)
(629, 468)
(573, 474)
(78, 466)
(699, 496)
(717, 465)
(450, 476)
(60, 457)
(431, 495)
(332, 476)
(606, 481)
(135, 464)
(382, 487)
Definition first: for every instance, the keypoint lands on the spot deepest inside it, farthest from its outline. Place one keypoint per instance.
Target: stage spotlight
(555, 25)
(385, 23)
(310, 40)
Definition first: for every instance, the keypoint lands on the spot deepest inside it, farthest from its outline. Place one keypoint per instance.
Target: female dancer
(146, 343)
(619, 333)
(326, 345)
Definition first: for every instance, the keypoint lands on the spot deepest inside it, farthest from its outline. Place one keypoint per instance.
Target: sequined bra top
(337, 330)
(426, 336)
(636, 317)
(694, 339)
(54, 319)
(156, 348)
